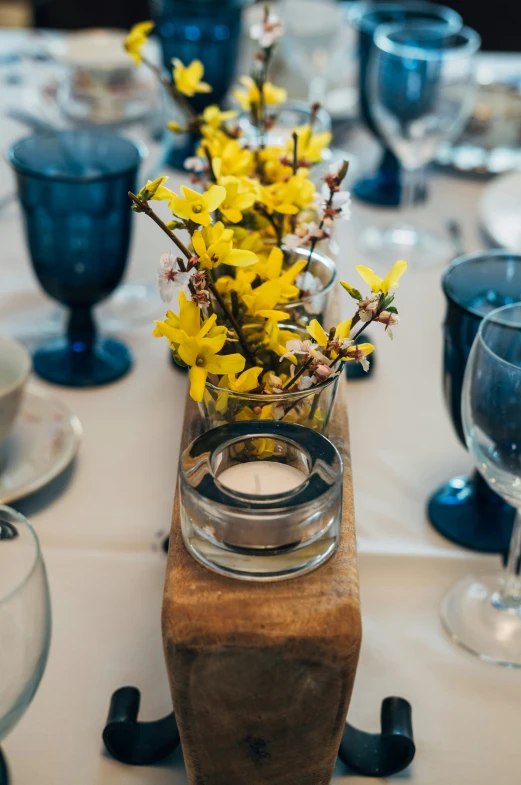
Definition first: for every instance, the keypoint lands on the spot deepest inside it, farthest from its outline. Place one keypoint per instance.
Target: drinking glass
(25, 619)
(466, 510)
(482, 613)
(383, 187)
(422, 88)
(206, 30)
(73, 186)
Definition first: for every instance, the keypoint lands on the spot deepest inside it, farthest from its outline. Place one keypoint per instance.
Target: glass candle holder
(246, 513)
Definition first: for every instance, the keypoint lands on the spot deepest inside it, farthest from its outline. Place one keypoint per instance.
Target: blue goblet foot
(468, 513)
(60, 363)
(382, 188)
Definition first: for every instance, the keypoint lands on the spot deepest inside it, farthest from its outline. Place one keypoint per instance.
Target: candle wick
(257, 483)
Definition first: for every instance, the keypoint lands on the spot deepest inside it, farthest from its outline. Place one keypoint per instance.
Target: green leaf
(392, 309)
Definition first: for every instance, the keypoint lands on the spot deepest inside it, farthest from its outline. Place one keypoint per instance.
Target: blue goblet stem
(81, 330)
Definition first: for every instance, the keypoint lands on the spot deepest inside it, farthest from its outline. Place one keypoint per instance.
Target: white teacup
(15, 367)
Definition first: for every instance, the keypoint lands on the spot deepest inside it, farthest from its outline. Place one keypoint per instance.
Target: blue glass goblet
(73, 187)
(466, 510)
(205, 30)
(384, 188)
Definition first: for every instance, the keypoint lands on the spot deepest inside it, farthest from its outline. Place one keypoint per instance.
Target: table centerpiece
(250, 282)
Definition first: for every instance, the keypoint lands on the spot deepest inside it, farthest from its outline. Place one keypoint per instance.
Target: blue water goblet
(205, 30)
(384, 187)
(466, 510)
(73, 187)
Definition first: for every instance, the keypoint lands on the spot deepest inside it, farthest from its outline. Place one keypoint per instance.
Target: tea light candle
(261, 478)
(261, 519)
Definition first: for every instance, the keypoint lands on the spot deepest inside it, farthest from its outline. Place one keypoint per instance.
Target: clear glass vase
(311, 408)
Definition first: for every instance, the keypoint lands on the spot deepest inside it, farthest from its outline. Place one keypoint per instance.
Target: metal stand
(371, 754)
(133, 742)
(385, 753)
(4, 774)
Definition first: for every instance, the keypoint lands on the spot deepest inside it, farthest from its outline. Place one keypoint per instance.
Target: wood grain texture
(261, 673)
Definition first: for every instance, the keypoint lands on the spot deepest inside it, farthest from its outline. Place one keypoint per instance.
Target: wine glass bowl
(383, 188)
(466, 510)
(483, 613)
(25, 617)
(422, 88)
(73, 187)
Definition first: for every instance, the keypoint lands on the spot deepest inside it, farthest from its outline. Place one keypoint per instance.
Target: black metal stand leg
(385, 753)
(133, 742)
(4, 774)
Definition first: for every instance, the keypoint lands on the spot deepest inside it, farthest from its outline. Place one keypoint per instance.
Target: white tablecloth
(101, 527)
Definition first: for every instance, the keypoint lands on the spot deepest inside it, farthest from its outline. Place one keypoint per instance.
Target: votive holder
(261, 536)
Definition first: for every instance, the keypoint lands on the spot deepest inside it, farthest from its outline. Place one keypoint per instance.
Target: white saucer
(43, 442)
(499, 211)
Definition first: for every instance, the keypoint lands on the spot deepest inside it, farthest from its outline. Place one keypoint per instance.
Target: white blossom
(268, 31)
(309, 283)
(195, 164)
(171, 279)
(305, 382)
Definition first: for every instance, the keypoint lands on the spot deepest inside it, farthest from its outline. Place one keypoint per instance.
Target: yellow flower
(187, 79)
(318, 333)
(250, 241)
(201, 354)
(351, 290)
(234, 159)
(289, 197)
(154, 189)
(247, 381)
(247, 414)
(378, 284)
(275, 339)
(213, 246)
(240, 195)
(196, 207)
(187, 323)
(244, 277)
(310, 145)
(213, 116)
(273, 96)
(136, 39)
(262, 300)
(271, 270)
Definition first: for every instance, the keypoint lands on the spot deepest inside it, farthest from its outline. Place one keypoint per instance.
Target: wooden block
(261, 673)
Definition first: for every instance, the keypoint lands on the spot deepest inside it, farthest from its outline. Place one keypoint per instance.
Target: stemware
(73, 186)
(422, 88)
(466, 510)
(483, 613)
(25, 619)
(383, 187)
(205, 30)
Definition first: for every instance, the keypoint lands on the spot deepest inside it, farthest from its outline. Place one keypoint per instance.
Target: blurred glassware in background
(482, 613)
(422, 89)
(73, 187)
(320, 45)
(25, 619)
(100, 84)
(383, 188)
(466, 510)
(491, 140)
(205, 30)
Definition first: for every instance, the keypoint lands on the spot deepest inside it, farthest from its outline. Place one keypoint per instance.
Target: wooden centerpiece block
(261, 674)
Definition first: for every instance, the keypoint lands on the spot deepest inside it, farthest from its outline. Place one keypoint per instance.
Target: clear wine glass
(25, 619)
(422, 88)
(483, 613)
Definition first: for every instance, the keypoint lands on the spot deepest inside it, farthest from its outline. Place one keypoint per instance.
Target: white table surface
(101, 527)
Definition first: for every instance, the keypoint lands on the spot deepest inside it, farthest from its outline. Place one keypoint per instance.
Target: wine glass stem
(511, 592)
(81, 330)
(411, 178)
